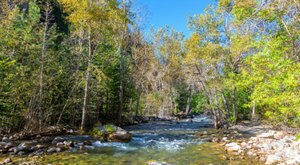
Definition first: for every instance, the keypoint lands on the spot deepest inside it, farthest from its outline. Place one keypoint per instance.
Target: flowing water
(155, 143)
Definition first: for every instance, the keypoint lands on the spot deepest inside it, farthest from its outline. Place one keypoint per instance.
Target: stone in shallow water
(119, 136)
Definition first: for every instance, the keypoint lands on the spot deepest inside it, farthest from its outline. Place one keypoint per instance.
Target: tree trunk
(253, 115)
(122, 68)
(235, 113)
(87, 76)
(137, 105)
(44, 49)
(187, 109)
(121, 88)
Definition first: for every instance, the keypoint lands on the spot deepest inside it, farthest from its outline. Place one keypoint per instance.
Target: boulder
(120, 135)
(111, 133)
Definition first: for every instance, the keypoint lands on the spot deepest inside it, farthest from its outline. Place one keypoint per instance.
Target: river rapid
(154, 143)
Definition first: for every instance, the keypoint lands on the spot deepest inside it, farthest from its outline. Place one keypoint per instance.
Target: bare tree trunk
(226, 106)
(87, 76)
(121, 93)
(122, 69)
(44, 50)
(253, 116)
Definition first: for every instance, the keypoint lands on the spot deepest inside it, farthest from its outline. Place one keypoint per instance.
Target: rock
(60, 144)
(19, 148)
(267, 146)
(46, 139)
(69, 143)
(204, 133)
(58, 149)
(87, 142)
(244, 144)
(21, 153)
(262, 159)
(39, 146)
(232, 147)
(250, 153)
(120, 135)
(5, 139)
(253, 139)
(291, 162)
(279, 135)
(215, 140)
(291, 153)
(6, 161)
(224, 139)
(57, 140)
(2, 144)
(208, 139)
(51, 150)
(70, 131)
(8, 146)
(272, 159)
(266, 135)
(88, 147)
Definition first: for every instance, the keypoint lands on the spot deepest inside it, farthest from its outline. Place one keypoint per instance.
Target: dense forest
(78, 63)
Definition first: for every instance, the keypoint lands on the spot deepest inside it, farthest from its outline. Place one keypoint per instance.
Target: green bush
(96, 133)
(110, 128)
(297, 136)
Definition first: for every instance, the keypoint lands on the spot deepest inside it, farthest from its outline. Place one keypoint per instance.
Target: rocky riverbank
(55, 140)
(265, 144)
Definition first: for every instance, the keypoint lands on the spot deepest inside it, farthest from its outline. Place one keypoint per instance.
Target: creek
(155, 143)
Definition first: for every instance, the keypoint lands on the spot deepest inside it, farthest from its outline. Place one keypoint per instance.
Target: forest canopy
(77, 63)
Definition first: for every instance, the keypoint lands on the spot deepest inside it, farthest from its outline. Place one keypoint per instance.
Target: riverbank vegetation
(77, 63)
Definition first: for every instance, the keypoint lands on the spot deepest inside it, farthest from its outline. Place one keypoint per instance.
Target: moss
(110, 128)
(96, 133)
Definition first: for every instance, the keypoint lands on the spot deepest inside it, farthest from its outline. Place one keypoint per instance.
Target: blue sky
(171, 12)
